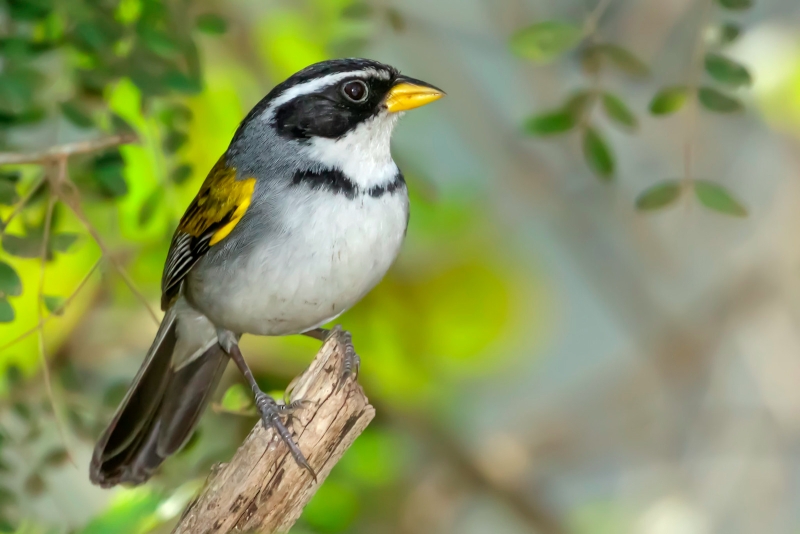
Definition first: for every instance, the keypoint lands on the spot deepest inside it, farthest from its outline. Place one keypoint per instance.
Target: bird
(297, 221)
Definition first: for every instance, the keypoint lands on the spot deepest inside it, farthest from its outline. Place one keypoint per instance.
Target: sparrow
(299, 219)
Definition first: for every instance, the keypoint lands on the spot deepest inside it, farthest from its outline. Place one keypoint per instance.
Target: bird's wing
(220, 204)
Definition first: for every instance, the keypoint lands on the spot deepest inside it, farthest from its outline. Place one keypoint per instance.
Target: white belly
(331, 252)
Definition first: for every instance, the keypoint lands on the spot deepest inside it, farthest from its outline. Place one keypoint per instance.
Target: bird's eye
(355, 90)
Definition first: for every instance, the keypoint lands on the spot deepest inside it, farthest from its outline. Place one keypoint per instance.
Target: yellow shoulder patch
(245, 193)
(222, 199)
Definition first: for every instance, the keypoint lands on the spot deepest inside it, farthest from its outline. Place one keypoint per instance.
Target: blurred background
(593, 327)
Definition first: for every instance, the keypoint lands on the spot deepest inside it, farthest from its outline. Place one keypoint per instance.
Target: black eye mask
(329, 113)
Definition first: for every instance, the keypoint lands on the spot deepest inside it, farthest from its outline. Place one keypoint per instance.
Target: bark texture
(262, 489)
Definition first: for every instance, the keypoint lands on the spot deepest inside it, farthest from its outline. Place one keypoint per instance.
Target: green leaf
(578, 102)
(148, 84)
(21, 49)
(16, 90)
(109, 174)
(211, 24)
(669, 100)
(174, 141)
(357, 10)
(597, 154)
(727, 71)
(22, 246)
(178, 81)
(715, 197)
(551, 123)
(10, 284)
(158, 42)
(237, 398)
(396, 19)
(718, 102)
(91, 37)
(29, 10)
(54, 304)
(736, 5)
(175, 116)
(659, 196)
(63, 241)
(29, 116)
(56, 457)
(24, 411)
(728, 33)
(545, 41)
(181, 173)
(8, 193)
(6, 311)
(76, 115)
(621, 58)
(14, 375)
(120, 125)
(618, 111)
(10, 176)
(150, 206)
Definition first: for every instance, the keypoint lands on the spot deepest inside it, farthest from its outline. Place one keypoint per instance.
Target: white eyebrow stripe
(313, 86)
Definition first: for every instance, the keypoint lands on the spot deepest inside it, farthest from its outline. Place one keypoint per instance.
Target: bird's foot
(351, 363)
(289, 408)
(270, 412)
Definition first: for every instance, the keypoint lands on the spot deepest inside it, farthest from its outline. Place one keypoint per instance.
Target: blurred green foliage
(66, 67)
(455, 310)
(547, 40)
(180, 75)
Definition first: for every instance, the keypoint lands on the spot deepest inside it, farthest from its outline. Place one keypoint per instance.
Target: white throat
(364, 154)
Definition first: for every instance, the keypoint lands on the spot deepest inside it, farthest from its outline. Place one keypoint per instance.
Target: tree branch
(262, 489)
(66, 150)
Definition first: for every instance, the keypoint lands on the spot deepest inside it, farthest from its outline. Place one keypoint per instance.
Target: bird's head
(339, 113)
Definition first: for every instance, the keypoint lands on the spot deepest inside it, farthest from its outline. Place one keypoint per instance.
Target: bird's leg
(351, 362)
(269, 410)
(320, 334)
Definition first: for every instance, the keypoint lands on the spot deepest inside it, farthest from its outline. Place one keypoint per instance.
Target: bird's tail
(162, 406)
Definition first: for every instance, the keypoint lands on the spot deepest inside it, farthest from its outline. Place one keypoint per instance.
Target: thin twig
(590, 34)
(56, 153)
(693, 86)
(66, 191)
(57, 311)
(20, 205)
(48, 385)
(590, 26)
(70, 199)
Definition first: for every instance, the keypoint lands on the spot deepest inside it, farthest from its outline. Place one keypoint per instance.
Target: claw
(351, 363)
(270, 416)
(291, 407)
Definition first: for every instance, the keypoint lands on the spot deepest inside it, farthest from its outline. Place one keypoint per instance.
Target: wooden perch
(262, 489)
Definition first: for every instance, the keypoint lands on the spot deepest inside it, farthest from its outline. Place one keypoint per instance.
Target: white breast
(331, 252)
